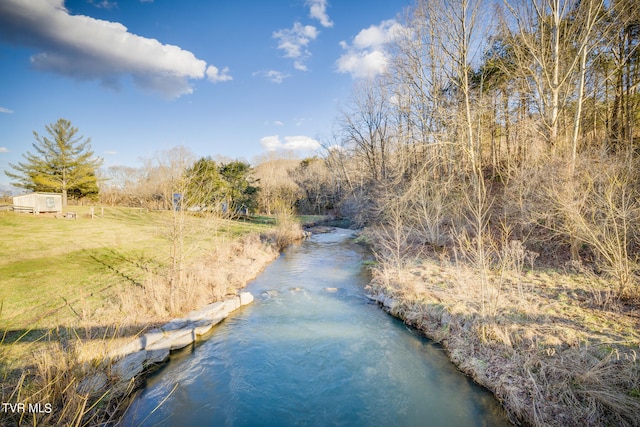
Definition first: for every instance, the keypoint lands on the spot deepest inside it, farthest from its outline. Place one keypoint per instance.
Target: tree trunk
(576, 123)
(555, 83)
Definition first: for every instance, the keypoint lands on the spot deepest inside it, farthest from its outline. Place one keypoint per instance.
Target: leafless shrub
(599, 206)
(392, 235)
(288, 229)
(431, 203)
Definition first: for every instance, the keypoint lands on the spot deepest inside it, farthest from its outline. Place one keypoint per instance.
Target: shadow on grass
(64, 333)
(257, 219)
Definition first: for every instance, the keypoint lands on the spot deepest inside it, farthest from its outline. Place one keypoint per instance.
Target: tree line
(497, 123)
(173, 179)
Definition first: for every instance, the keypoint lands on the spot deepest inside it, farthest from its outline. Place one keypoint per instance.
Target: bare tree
(366, 129)
(553, 40)
(418, 74)
(121, 185)
(273, 172)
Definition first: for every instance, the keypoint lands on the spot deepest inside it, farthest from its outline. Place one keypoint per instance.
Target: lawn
(52, 270)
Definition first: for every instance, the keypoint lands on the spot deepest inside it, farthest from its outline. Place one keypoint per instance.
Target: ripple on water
(311, 350)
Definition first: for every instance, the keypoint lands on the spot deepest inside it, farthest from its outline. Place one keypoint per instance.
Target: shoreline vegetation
(67, 307)
(549, 353)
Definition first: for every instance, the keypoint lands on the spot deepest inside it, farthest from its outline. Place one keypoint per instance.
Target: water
(313, 351)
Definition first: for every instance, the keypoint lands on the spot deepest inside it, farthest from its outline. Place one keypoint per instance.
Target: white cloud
(86, 48)
(300, 66)
(297, 143)
(104, 4)
(362, 64)
(318, 10)
(366, 56)
(4, 150)
(300, 142)
(214, 75)
(5, 110)
(110, 152)
(278, 123)
(273, 75)
(376, 36)
(270, 143)
(294, 41)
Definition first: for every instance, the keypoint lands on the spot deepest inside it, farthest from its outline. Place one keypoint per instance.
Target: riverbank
(56, 349)
(313, 352)
(550, 354)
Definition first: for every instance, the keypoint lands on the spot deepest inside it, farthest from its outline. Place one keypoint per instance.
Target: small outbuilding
(38, 203)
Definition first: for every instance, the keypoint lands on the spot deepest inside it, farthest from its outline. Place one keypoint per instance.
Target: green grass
(51, 269)
(252, 224)
(311, 219)
(262, 223)
(270, 220)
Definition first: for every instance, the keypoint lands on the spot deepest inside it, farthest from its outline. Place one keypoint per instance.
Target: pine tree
(239, 189)
(204, 184)
(65, 163)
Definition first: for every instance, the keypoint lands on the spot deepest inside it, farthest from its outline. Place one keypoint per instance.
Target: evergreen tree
(203, 184)
(239, 189)
(65, 163)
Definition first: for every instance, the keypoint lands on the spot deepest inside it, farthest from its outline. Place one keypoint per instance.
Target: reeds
(61, 387)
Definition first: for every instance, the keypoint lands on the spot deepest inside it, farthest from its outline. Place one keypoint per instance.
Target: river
(312, 350)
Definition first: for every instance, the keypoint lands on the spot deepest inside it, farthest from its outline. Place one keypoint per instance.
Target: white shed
(38, 203)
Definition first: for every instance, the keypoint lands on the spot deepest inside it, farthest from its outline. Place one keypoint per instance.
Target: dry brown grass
(223, 271)
(288, 230)
(65, 384)
(550, 354)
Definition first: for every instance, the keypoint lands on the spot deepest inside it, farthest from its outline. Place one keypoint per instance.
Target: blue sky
(230, 78)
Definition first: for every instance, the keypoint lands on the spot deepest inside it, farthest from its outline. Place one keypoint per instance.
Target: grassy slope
(54, 271)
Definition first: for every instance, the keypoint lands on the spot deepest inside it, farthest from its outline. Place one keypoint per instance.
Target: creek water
(312, 350)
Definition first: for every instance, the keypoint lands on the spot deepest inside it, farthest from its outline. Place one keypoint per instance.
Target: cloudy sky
(230, 78)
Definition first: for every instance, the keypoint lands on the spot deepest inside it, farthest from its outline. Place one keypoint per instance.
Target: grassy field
(88, 278)
(53, 270)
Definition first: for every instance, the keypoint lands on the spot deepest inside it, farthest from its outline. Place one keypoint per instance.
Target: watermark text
(21, 408)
